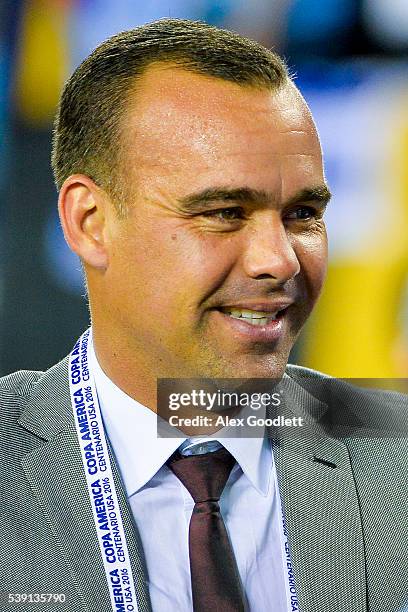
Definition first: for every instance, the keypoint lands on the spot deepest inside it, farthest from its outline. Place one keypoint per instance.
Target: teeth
(255, 317)
(262, 321)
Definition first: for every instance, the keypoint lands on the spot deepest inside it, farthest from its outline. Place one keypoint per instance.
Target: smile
(253, 317)
(263, 323)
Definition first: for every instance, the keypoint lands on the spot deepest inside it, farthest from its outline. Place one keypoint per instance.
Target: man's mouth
(262, 322)
(253, 317)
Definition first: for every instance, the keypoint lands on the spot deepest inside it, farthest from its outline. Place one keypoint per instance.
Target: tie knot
(204, 476)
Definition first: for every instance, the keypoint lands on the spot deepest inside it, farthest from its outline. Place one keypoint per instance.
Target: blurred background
(351, 62)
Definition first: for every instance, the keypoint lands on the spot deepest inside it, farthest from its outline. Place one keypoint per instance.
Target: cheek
(196, 264)
(312, 255)
(171, 268)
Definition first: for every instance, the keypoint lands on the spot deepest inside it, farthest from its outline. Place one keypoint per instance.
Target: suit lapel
(321, 510)
(55, 472)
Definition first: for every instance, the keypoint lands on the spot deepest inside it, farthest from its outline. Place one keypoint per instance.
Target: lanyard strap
(99, 479)
(291, 595)
(293, 604)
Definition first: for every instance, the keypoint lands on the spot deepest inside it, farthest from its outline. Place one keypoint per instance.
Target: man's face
(223, 252)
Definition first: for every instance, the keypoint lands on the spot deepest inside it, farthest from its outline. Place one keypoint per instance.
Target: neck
(133, 375)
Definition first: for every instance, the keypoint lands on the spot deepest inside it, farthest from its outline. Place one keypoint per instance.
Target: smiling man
(192, 188)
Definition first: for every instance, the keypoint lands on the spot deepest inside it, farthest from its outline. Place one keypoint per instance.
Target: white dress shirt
(162, 506)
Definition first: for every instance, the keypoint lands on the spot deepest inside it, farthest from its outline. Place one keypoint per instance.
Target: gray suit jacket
(345, 499)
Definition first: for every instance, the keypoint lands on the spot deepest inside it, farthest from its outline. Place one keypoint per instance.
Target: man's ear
(82, 210)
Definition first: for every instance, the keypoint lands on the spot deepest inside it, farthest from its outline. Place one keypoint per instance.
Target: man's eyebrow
(320, 194)
(197, 202)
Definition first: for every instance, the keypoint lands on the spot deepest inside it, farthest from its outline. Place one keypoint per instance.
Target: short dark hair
(87, 126)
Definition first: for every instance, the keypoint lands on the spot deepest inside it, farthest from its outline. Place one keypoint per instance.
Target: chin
(268, 365)
(275, 372)
(254, 366)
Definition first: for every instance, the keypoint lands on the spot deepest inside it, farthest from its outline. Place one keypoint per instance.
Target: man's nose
(269, 252)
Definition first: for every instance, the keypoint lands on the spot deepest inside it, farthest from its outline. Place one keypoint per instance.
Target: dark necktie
(215, 580)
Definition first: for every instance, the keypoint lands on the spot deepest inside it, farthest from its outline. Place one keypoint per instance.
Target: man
(192, 188)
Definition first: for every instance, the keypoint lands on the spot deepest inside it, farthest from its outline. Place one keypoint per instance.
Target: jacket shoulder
(374, 407)
(20, 382)
(347, 388)
(16, 388)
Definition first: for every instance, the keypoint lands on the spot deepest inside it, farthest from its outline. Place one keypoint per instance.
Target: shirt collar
(132, 431)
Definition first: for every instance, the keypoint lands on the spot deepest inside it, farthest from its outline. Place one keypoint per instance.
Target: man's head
(194, 201)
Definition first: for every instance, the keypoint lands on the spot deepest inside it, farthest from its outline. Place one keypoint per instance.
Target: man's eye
(303, 213)
(226, 214)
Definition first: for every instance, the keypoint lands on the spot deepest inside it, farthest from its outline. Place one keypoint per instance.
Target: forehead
(180, 122)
